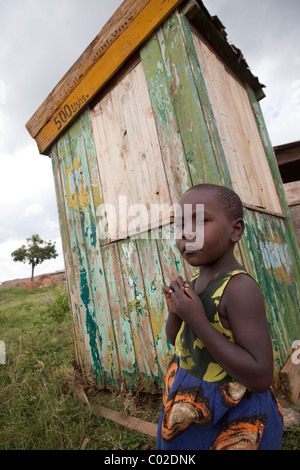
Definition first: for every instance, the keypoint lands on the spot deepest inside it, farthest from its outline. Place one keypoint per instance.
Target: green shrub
(60, 306)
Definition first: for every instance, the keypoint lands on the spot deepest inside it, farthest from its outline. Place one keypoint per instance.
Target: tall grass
(39, 406)
(40, 389)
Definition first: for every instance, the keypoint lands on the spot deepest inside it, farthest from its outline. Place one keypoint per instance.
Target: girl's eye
(201, 222)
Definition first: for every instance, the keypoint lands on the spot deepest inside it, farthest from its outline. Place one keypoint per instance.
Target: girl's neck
(209, 271)
(225, 264)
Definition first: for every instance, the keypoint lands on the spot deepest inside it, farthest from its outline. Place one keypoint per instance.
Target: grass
(291, 439)
(40, 406)
(41, 387)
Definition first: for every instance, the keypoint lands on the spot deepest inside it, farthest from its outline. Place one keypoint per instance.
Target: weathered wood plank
(217, 152)
(87, 267)
(129, 422)
(83, 357)
(149, 184)
(295, 214)
(236, 125)
(267, 254)
(121, 321)
(128, 153)
(91, 160)
(172, 264)
(73, 222)
(107, 151)
(289, 228)
(290, 375)
(138, 31)
(185, 101)
(213, 30)
(172, 151)
(150, 157)
(157, 308)
(292, 193)
(138, 313)
(92, 253)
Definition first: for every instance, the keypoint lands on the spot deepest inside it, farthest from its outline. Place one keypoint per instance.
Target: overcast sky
(41, 39)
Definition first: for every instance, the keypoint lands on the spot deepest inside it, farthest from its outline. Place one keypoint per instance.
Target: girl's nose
(188, 235)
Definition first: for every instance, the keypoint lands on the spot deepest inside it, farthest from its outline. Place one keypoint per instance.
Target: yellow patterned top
(194, 357)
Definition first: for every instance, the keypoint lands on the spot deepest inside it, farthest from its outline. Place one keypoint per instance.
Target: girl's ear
(238, 227)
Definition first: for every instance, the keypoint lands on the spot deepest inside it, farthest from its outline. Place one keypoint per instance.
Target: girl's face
(217, 229)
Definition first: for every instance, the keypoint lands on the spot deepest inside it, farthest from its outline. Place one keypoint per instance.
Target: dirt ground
(56, 278)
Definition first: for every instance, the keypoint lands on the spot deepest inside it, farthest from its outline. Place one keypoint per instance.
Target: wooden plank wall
(268, 248)
(295, 213)
(268, 252)
(128, 154)
(248, 166)
(292, 192)
(115, 288)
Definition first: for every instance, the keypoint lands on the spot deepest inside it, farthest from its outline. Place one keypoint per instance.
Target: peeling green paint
(117, 301)
(91, 326)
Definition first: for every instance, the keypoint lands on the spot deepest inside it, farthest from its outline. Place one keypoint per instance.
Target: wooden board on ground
(130, 423)
(290, 375)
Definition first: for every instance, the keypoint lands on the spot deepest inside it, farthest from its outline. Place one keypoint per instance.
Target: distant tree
(36, 252)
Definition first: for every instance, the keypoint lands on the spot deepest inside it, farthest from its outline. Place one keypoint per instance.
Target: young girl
(217, 387)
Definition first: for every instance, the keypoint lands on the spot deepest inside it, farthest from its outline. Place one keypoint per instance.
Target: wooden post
(290, 375)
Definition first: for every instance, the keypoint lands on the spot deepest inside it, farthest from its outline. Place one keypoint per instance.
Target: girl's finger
(180, 281)
(167, 290)
(174, 286)
(190, 293)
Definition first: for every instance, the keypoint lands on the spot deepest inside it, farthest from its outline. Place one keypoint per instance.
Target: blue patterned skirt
(200, 415)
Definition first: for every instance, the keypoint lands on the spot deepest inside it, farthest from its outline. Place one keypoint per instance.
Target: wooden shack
(158, 102)
(288, 159)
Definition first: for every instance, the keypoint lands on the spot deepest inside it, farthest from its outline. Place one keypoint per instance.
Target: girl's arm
(250, 359)
(172, 327)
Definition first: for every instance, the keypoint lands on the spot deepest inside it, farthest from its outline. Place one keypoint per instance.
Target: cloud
(267, 32)
(41, 39)
(28, 206)
(33, 210)
(26, 174)
(282, 113)
(39, 42)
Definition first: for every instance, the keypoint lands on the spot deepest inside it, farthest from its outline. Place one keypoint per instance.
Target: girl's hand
(186, 302)
(167, 293)
(168, 290)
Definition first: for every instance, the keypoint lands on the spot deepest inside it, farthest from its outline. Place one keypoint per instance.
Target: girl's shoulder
(241, 287)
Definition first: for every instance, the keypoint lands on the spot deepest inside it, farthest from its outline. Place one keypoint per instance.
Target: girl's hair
(229, 200)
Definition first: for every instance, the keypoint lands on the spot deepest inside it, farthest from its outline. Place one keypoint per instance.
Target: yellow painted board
(140, 29)
(114, 28)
